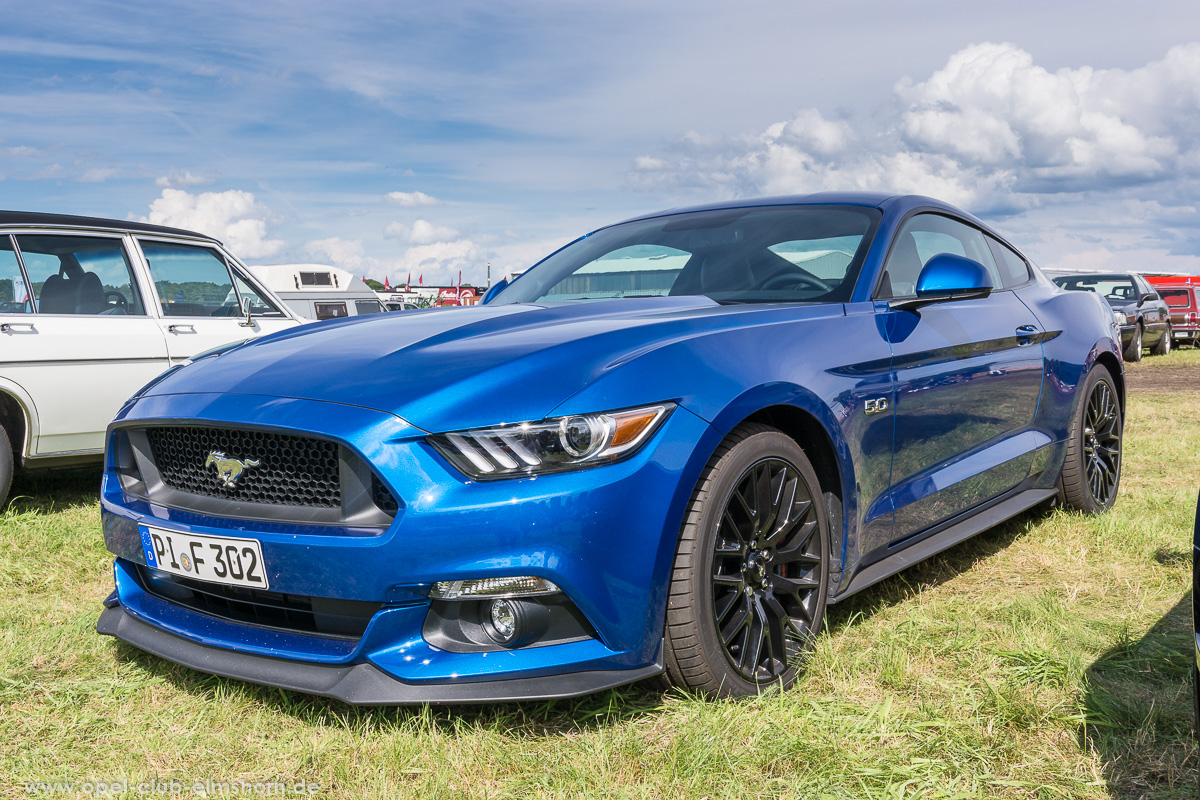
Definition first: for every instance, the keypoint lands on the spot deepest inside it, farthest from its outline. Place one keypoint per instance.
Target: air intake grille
(288, 612)
(291, 470)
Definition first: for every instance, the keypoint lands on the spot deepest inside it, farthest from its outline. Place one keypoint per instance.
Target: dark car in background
(1144, 318)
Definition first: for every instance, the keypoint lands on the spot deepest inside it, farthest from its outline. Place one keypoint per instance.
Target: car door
(1155, 314)
(75, 337)
(200, 294)
(968, 377)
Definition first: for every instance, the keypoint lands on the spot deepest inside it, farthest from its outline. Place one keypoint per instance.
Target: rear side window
(1175, 298)
(921, 238)
(80, 275)
(14, 295)
(1014, 271)
(367, 307)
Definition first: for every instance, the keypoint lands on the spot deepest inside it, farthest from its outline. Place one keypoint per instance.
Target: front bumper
(356, 684)
(606, 536)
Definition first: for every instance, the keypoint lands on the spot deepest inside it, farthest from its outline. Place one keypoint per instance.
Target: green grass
(1047, 658)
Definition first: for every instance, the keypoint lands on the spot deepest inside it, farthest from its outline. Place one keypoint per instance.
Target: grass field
(1049, 657)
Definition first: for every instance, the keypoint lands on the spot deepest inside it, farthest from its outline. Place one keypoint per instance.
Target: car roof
(40, 219)
(880, 200)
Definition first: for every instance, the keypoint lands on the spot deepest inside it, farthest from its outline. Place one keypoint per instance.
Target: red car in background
(1182, 296)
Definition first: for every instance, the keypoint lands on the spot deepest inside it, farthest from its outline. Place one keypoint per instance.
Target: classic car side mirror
(947, 277)
(494, 290)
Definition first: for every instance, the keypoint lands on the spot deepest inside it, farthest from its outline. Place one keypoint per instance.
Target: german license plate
(219, 559)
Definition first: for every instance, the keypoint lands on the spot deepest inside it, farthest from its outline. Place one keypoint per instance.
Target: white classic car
(93, 309)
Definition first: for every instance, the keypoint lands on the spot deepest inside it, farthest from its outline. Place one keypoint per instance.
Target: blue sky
(432, 138)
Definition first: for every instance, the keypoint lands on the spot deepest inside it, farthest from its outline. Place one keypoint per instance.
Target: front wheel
(751, 571)
(1092, 471)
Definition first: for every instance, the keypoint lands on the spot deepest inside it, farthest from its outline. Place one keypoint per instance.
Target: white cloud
(98, 174)
(412, 199)
(232, 217)
(345, 253)
(177, 179)
(421, 232)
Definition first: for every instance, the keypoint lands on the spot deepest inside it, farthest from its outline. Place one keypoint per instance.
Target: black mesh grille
(291, 470)
(382, 497)
(288, 612)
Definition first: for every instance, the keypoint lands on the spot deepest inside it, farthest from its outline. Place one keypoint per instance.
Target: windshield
(1116, 289)
(744, 255)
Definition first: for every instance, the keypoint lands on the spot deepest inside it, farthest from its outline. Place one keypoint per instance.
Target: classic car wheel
(1092, 470)
(1134, 351)
(6, 467)
(749, 583)
(1164, 344)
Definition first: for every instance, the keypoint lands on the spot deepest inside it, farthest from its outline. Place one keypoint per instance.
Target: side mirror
(248, 322)
(494, 290)
(947, 277)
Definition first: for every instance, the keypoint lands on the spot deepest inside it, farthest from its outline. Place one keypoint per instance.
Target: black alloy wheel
(1164, 344)
(749, 586)
(1092, 469)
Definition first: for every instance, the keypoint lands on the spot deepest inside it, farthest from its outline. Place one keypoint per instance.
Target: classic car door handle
(9, 327)
(181, 328)
(1025, 334)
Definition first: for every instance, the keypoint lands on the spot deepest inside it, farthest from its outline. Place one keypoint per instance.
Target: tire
(6, 467)
(748, 589)
(1134, 351)
(1091, 473)
(1164, 344)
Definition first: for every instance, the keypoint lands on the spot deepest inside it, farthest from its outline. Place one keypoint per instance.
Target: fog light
(504, 621)
(483, 588)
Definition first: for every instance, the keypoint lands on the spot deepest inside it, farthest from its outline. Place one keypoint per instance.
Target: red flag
(387, 287)
(458, 288)
(421, 279)
(408, 280)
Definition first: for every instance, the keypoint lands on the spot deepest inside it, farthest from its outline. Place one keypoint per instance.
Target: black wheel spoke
(767, 570)
(1101, 443)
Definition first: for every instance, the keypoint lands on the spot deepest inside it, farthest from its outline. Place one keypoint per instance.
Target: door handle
(180, 327)
(1025, 335)
(9, 327)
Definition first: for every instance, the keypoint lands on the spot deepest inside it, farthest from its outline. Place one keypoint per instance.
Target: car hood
(451, 369)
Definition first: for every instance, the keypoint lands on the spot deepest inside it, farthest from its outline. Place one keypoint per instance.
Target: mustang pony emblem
(229, 469)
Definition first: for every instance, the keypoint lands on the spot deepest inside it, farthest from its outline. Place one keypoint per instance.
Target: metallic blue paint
(980, 393)
(948, 274)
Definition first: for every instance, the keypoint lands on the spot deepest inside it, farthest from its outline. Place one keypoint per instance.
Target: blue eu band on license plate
(217, 559)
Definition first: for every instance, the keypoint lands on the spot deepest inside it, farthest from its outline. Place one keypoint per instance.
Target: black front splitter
(356, 684)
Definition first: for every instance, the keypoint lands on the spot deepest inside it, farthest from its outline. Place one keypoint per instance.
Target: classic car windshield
(1116, 289)
(743, 255)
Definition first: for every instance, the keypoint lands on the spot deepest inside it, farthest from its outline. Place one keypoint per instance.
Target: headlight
(552, 445)
(1122, 318)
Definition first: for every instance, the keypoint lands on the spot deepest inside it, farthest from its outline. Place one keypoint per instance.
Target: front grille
(291, 470)
(344, 619)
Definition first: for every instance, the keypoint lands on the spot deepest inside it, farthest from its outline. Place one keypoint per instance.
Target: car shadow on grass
(45, 491)
(934, 571)
(1138, 702)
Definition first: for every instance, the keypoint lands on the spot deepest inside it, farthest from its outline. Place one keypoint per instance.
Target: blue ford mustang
(665, 448)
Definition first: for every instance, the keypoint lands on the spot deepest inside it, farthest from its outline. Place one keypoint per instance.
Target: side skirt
(938, 540)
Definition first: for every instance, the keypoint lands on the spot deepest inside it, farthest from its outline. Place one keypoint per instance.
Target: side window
(79, 275)
(921, 238)
(191, 281)
(14, 296)
(259, 305)
(330, 310)
(367, 307)
(1013, 269)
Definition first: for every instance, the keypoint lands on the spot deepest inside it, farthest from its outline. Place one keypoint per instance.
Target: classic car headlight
(1122, 318)
(552, 445)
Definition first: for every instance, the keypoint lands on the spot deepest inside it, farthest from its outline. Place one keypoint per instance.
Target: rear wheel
(1164, 344)
(1134, 351)
(750, 577)
(1092, 471)
(6, 467)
